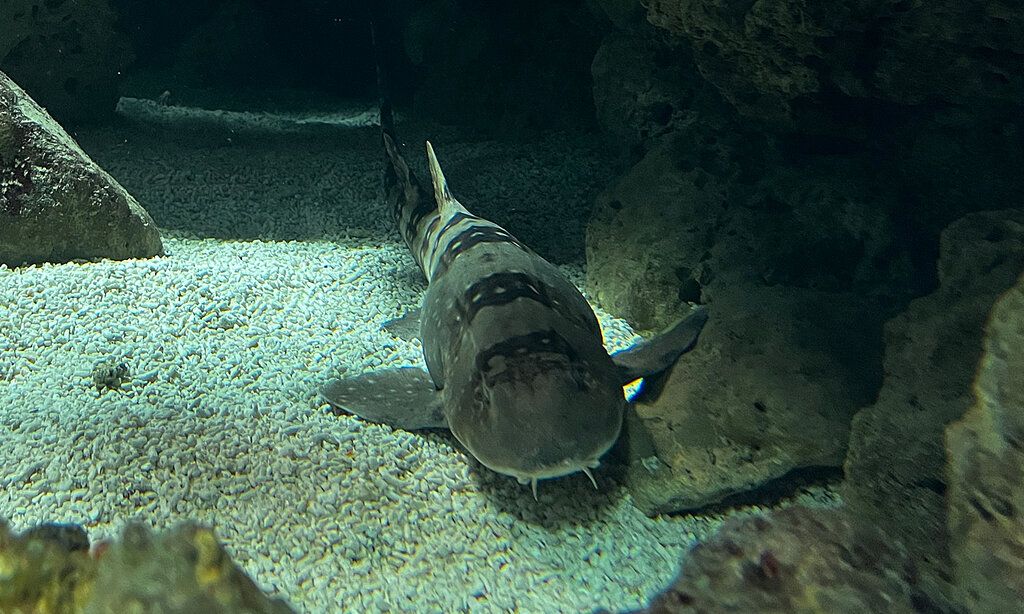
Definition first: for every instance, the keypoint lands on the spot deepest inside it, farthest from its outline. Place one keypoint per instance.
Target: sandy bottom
(280, 269)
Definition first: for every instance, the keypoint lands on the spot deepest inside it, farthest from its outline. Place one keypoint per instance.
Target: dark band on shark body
(424, 206)
(459, 216)
(539, 342)
(500, 289)
(470, 238)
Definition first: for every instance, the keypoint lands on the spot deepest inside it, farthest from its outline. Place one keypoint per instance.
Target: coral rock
(895, 466)
(767, 394)
(797, 560)
(986, 470)
(51, 569)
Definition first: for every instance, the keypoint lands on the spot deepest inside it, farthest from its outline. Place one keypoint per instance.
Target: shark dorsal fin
(446, 203)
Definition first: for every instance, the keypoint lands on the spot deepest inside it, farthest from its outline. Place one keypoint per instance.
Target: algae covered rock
(792, 260)
(985, 452)
(795, 560)
(647, 237)
(792, 62)
(711, 206)
(927, 93)
(46, 570)
(638, 93)
(56, 204)
(185, 570)
(766, 394)
(53, 569)
(895, 469)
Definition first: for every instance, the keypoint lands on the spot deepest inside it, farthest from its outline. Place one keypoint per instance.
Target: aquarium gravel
(225, 342)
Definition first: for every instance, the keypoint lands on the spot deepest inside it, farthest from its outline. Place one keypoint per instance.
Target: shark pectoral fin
(406, 326)
(658, 353)
(403, 398)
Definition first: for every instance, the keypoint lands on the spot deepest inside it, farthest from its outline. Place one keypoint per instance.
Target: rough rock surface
(986, 470)
(639, 88)
(798, 273)
(68, 55)
(56, 204)
(45, 570)
(863, 130)
(770, 59)
(928, 94)
(895, 467)
(768, 391)
(708, 208)
(796, 560)
(184, 570)
(53, 569)
(647, 238)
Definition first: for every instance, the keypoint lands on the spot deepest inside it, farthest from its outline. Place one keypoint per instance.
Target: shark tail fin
(396, 170)
(446, 203)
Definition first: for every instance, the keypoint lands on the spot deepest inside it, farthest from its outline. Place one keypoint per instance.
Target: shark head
(535, 419)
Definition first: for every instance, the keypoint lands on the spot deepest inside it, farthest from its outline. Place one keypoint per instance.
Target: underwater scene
(597, 306)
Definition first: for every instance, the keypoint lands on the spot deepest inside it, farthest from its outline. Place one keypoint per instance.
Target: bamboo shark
(516, 365)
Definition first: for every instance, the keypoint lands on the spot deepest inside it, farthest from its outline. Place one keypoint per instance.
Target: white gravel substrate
(227, 341)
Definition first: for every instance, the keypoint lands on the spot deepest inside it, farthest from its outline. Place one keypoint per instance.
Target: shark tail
(396, 170)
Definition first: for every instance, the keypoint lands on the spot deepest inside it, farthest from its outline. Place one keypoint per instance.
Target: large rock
(799, 262)
(896, 463)
(928, 94)
(767, 394)
(708, 207)
(183, 570)
(796, 560)
(648, 235)
(985, 452)
(53, 569)
(774, 60)
(69, 55)
(56, 204)
(637, 93)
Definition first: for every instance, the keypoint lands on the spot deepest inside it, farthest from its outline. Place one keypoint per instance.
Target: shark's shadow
(558, 501)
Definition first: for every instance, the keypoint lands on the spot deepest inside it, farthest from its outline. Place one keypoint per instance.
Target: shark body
(516, 365)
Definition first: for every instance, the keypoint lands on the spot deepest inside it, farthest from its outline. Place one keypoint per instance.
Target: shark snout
(533, 441)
